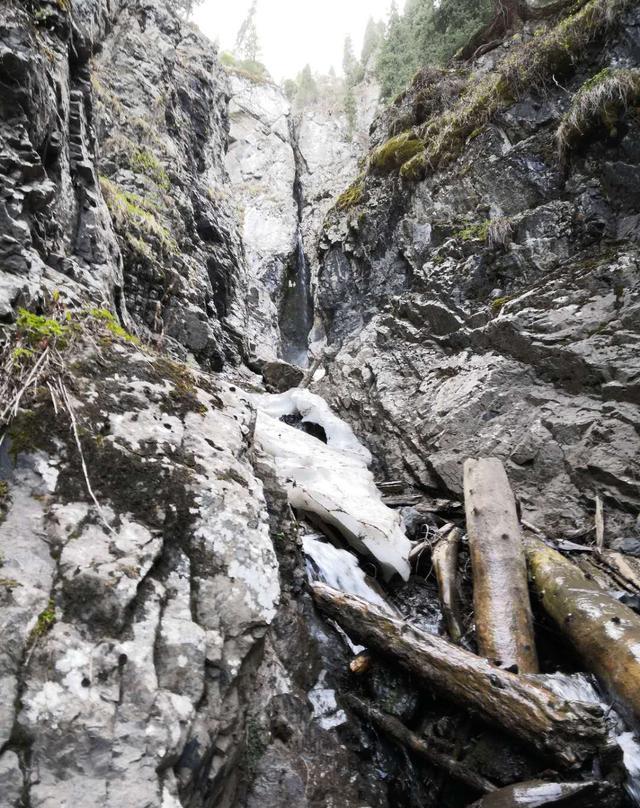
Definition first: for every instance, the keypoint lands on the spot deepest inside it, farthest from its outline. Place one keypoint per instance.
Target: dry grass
(599, 102)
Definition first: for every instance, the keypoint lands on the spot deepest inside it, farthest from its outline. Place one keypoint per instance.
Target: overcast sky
(293, 32)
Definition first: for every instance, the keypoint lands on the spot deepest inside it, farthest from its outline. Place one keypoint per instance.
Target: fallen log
(570, 733)
(445, 564)
(605, 633)
(409, 740)
(538, 793)
(504, 623)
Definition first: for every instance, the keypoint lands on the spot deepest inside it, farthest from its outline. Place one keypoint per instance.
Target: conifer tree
(247, 42)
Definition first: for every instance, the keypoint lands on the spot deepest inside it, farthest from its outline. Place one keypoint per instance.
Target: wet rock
(281, 376)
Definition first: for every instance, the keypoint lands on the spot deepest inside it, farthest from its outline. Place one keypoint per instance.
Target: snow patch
(315, 410)
(332, 480)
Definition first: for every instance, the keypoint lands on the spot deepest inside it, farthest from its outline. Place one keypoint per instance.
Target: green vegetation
(144, 161)
(415, 169)
(254, 71)
(245, 59)
(36, 330)
(352, 196)
(447, 129)
(397, 151)
(426, 34)
(598, 103)
(474, 232)
(112, 325)
(499, 303)
(135, 216)
(46, 621)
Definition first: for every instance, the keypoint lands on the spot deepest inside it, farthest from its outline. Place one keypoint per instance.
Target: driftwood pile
(498, 684)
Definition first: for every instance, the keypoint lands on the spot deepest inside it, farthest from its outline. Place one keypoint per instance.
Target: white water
(340, 570)
(331, 480)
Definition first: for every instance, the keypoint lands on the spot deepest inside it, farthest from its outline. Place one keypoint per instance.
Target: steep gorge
(158, 642)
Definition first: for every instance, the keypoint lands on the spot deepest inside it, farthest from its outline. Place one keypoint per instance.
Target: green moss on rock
(397, 151)
(352, 197)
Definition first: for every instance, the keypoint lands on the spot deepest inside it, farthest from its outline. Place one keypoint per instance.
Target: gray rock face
(125, 629)
(262, 169)
(494, 309)
(285, 167)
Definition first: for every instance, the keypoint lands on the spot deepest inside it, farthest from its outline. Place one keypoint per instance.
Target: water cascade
(296, 312)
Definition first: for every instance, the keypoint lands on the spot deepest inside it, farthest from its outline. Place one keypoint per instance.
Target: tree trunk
(445, 564)
(504, 624)
(604, 631)
(403, 736)
(570, 733)
(538, 793)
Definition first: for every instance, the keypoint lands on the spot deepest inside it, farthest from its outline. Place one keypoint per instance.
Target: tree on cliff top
(188, 5)
(247, 41)
(426, 34)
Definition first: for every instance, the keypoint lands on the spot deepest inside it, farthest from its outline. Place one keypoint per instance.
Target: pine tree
(396, 59)
(373, 37)
(247, 42)
(307, 87)
(349, 61)
(188, 5)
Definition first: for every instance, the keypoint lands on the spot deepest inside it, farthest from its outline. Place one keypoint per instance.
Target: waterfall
(296, 317)
(296, 307)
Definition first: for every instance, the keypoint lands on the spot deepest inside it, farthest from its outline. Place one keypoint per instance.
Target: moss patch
(397, 151)
(46, 621)
(474, 232)
(352, 197)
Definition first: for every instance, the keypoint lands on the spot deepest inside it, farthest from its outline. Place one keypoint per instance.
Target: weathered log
(504, 623)
(421, 747)
(538, 793)
(445, 564)
(570, 733)
(605, 633)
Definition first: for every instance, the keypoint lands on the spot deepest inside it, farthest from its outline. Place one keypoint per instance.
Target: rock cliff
(486, 301)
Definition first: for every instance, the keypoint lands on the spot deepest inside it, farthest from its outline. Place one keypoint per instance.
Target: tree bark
(539, 793)
(604, 631)
(570, 733)
(445, 564)
(504, 623)
(421, 747)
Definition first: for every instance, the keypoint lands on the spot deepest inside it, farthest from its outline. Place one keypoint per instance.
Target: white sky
(293, 32)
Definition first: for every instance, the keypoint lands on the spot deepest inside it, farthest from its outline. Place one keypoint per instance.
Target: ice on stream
(331, 480)
(340, 570)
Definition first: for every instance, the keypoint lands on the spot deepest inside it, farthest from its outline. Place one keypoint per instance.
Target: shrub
(534, 63)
